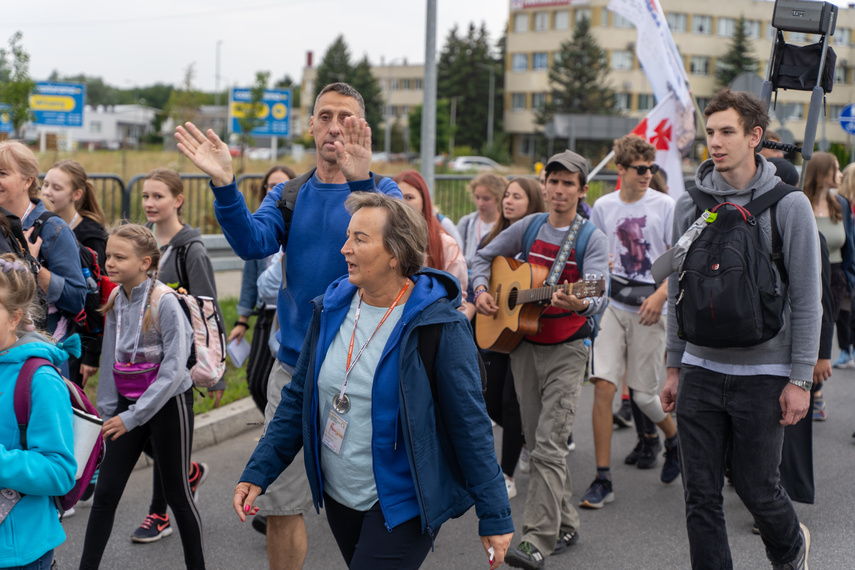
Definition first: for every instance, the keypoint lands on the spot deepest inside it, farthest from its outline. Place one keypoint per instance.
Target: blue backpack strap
(582, 243)
(531, 233)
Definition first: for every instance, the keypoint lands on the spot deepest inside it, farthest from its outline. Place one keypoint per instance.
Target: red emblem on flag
(662, 139)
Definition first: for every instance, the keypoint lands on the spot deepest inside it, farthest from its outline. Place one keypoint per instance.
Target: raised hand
(354, 154)
(209, 153)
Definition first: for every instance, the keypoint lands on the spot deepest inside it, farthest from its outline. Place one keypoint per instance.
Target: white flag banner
(658, 128)
(662, 64)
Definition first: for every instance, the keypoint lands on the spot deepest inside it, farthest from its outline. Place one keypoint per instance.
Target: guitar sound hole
(512, 299)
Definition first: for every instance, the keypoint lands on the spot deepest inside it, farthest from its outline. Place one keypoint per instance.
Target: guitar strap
(564, 252)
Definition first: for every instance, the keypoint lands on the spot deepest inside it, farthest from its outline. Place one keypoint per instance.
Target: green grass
(236, 386)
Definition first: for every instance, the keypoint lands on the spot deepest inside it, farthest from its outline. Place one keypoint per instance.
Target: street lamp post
(217, 89)
(490, 104)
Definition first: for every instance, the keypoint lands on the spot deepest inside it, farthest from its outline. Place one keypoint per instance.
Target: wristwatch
(803, 384)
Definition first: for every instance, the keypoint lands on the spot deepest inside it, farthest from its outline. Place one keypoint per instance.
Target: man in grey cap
(549, 365)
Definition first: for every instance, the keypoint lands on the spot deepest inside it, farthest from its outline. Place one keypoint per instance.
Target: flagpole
(600, 166)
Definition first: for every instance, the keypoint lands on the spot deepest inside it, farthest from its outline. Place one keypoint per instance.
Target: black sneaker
(649, 450)
(671, 467)
(565, 541)
(633, 456)
(525, 555)
(153, 528)
(623, 417)
(598, 494)
(259, 523)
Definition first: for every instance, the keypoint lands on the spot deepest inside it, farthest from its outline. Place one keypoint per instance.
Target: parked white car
(480, 163)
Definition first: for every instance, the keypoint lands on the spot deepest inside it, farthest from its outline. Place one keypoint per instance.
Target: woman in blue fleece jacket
(32, 476)
(388, 461)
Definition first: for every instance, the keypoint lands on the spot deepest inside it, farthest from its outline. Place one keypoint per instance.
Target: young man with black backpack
(740, 362)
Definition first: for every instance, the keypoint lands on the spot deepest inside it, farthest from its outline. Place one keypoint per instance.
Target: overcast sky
(133, 42)
(136, 42)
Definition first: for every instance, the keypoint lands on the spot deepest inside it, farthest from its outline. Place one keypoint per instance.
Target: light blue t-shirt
(349, 476)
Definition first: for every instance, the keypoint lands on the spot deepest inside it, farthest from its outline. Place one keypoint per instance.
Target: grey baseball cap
(569, 160)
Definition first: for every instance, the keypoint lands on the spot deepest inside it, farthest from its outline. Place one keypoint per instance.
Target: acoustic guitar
(515, 286)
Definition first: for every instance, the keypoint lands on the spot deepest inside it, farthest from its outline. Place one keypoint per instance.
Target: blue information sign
(58, 104)
(847, 119)
(275, 111)
(5, 119)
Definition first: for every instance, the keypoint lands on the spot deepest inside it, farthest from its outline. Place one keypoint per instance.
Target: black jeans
(366, 543)
(171, 434)
(503, 407)
(712, 407)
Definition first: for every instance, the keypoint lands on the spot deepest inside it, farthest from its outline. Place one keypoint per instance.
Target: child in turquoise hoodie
(31, 531)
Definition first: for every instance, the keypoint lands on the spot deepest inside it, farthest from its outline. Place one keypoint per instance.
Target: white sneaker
(69, 513)
(510, 486)
(522, 463)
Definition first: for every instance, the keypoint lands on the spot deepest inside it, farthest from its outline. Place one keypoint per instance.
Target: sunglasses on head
(642, 169)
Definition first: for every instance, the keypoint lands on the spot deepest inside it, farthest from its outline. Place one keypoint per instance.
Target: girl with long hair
(834, 219)
(144, 393)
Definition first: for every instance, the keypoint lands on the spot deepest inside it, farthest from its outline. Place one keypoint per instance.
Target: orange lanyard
(349, 366)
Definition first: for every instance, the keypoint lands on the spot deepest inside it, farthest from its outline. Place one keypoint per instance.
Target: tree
(463, 73)
(363, 80)
(335, 66)
(443, 127)
(738, 59)
(15, 91)
(288, 83)
(184, 103)
(249, 116)
(578, 78)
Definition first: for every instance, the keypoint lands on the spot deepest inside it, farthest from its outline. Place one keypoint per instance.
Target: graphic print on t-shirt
(634, 250)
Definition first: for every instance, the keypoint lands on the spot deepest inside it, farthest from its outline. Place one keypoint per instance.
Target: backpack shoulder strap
(773, 197)
(24, 394)
(289, 200)
(156, 295)
(39, 224)
(531, 233)
(428, 345)
(582, 243)
(702, 200)
(181, 263)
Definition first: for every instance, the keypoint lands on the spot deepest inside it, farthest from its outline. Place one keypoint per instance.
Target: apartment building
(702, 32)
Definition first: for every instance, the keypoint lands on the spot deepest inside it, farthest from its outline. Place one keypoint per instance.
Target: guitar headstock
(589, 288)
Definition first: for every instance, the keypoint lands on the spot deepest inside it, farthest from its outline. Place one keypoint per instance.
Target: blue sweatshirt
(47, 467)
(431, 459)
(312, 256)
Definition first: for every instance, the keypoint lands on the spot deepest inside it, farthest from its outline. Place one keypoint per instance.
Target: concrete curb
(218, 425)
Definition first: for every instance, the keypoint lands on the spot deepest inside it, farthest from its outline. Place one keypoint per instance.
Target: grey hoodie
(797, 343)
(170, 347)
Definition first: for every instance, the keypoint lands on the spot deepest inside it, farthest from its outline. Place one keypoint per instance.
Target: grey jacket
(797, 343)
(170, 347)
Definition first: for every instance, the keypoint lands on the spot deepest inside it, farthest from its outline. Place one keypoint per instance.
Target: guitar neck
(545, 293)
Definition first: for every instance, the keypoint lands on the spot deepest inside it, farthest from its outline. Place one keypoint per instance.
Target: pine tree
(363, 80)
(335, 66)
(578, 78)
(463, 73)
(738, 59)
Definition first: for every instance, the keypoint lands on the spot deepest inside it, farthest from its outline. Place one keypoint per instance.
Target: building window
(843, 36)
(645, 102)
(526, 145)
(726, 27)
(521, 23)
(538, 101)
(623, 101)
(417, 84)
(562, 19)
(619, 21)
(752, 29)
(405, 84)
(405, 110)
(839, 74)
(798, 112)
(701, 24)
(604, 18)
(771, 32)
(393, 85)
(834, 111)
(797, 37)
(539, 61)
(676, 21)
(541, 21)
(518, 101)
(519, 62)
(621, 59)
(703, 102)
(700, 65)
(582, 14)
(95, 127)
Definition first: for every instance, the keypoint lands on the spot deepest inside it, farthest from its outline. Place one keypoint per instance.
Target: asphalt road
(643, 528)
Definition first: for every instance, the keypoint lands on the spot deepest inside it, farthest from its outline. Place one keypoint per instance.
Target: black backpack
(727, 288)
(88, 319)
(14, 241)
(289, 199)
